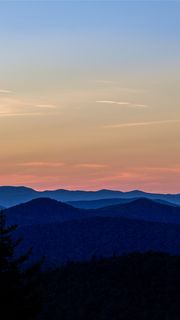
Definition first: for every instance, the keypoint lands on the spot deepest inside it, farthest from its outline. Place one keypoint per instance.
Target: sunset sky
(90, 95)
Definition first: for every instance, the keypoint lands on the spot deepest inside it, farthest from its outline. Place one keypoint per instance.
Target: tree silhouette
(19, 297)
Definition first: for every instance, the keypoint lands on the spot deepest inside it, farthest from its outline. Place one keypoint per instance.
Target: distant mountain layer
(100, 203)
(41, 211)
(100, 236)
(45, 210)
(61, 232)
(96, 204)
(10, 196)
(143, 209)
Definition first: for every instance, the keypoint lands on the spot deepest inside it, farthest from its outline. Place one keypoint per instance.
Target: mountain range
(11, 196)
(61, 232)
(96, 204)
(45, 210)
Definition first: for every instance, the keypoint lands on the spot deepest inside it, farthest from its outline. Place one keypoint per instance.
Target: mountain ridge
(100, 236)
(61, 232)
(42, 210)
(12, 195)
(46, 210)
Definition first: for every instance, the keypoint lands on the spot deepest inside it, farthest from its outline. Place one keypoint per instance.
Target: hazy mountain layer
(10, 196)
(61, 232)
(44, 210)
(96, 204)
(100, 236)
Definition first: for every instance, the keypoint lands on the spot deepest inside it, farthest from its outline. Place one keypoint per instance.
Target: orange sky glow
(86, 104)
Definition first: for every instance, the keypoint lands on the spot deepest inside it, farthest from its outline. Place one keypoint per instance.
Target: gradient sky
(90, 95)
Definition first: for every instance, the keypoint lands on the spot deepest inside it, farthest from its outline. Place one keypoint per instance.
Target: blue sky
(149, 30)
(136, 18)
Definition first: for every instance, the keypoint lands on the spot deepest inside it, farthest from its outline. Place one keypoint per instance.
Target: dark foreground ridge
(137, 286)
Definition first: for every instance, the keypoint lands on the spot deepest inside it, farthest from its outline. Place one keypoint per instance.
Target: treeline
(20, 296)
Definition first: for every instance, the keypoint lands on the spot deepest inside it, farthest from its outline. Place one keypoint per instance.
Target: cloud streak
(14, 115)
(123, 103)
(140, 124)
(19, 107)
(42, 164)
(92, 165)
(112, 102)
(5, 91)
(45, 106)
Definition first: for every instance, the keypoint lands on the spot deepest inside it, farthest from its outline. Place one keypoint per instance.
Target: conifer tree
(18, 286)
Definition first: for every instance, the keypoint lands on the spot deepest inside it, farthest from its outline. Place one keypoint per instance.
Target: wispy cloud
(112, 102)
(5, 91)
(139, 124)
(10, 114)
(123, 103)
(14, 106)
(175, 170)
(137, 105)
(45, 106)
(42, 164)
(92, 165)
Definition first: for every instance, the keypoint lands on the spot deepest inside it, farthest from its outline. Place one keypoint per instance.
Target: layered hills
(10, 196)
(62, 232)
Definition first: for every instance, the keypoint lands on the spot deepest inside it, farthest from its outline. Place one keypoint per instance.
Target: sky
(89, 95)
